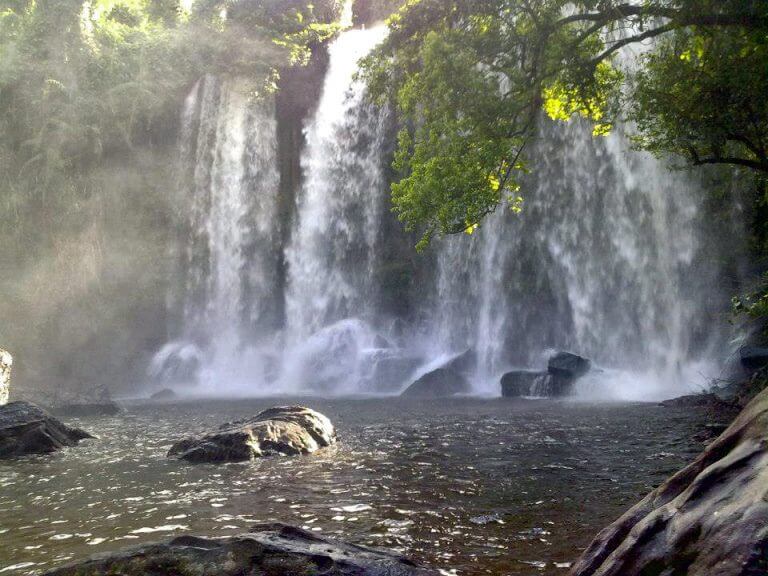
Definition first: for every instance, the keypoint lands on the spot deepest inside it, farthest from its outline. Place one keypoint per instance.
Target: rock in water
(268, 550)
(439, 383)
(753, 357)
(6, 361)
(709, 519)
(289, 430)
(567, 365)
(522, 383)
(28, 429)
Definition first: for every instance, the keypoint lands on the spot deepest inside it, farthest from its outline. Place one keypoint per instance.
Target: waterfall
(228, 148)
(610, 258)
(332, 254)
(607, 259)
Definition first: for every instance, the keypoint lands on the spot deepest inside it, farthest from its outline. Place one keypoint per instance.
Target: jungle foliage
(471, 80)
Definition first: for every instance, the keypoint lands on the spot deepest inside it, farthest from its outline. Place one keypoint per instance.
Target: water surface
(469, 486)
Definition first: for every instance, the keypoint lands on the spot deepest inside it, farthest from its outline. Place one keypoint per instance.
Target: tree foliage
(472, 79)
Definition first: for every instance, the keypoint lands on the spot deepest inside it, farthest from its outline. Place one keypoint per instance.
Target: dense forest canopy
(472, 79)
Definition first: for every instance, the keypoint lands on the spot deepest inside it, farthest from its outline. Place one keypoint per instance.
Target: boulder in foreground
(439, 383)
(288, 430)
(568, 366)
(709, 519)
(28, 429)
(268, 550)
(519, 383)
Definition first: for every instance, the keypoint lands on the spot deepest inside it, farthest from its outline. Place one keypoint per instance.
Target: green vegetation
(89, 104)
(473, 78)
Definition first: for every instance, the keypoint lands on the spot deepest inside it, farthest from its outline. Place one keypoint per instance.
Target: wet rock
(6, 361)
(391, 371)
(521, 383)
(87, 409)
(465, 363)
(439, 383)
(164, 394)
(28, 429)
(268, 550)
(709, 519)
(753, 357)
(693, 401)
(289, 431)
(568, 366)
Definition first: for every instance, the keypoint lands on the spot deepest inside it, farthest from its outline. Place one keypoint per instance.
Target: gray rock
(391, 371)
(28, 429)
(289, 431)
(439, 383)
(709, 519)
(268, 550)
(519, 383)
(753, 357)
(567, 365)
(465, 363)
(6, 362)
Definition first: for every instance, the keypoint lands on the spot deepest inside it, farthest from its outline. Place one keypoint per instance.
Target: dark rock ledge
(287, 431)
(268, 550)
(709, 519)
(28, 429)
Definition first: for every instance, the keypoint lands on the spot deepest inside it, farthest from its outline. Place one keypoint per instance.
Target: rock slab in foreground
(269, 550)
(288, 430)
(439, 383)
(6, 362)
(709, 519)
(28, 429)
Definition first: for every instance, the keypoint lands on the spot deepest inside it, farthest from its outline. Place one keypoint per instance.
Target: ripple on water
(435, 482)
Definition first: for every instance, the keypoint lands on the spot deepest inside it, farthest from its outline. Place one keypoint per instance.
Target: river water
(470, 486)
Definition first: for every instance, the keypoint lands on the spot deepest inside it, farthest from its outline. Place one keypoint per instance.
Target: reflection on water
(471, 486)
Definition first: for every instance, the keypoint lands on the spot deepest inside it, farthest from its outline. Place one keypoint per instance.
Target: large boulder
(567, 365)
(6, 361)
(439, 383)
(288, 431)
(391, 370)
(268, 550)
(709, 519)
(519, 383)
(28, 429)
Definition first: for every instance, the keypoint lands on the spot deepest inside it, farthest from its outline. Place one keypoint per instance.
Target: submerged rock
(87, 409)
(289, 431)
(268, 550)
(28, 429)
(709, 519)
(439, 383)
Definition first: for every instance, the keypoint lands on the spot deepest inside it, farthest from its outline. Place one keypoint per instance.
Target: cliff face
(709, 519)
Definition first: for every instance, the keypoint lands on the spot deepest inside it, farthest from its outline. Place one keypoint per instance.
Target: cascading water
(332, 255)
(608, 259)
(229, 147)
(605, 260)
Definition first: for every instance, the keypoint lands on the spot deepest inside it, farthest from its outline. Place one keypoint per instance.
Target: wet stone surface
(510, 487)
